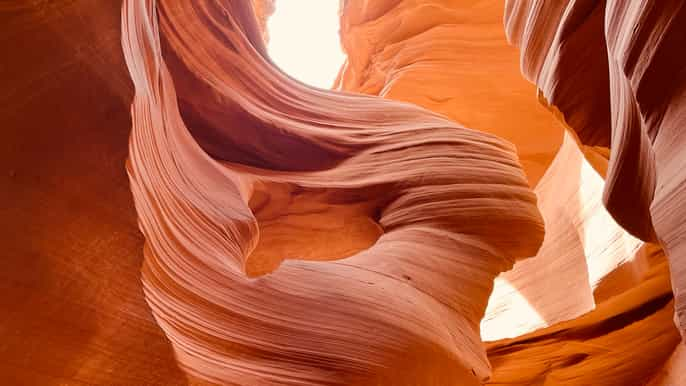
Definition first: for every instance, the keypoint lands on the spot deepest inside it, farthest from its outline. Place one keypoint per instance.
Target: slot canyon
(484, 192)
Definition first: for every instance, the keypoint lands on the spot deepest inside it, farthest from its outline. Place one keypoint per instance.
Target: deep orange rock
(640, 46)
(72, 306)
(302, 236)
(232, 164)
(443, 55)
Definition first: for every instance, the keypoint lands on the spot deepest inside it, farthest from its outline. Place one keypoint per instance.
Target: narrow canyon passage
(354, 192)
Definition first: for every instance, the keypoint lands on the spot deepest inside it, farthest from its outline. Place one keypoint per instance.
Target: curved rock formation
(232, 164)
(442, 55)
(624, 341)
(586, 260)
(568, 50)
(300, 236)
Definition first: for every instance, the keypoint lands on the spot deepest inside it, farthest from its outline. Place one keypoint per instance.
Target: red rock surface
(640, 45)
(300, 174)
(300, 236)
(72, 308)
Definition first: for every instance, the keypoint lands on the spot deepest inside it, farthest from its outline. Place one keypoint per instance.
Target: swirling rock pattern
(623, 341)
(586, 260)
(639, 107)
(298, 236)
(442, 55)
(230, 160)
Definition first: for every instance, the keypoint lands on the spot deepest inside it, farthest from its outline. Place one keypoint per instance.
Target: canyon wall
(300, 236)
(294, 234)
(616, 72)
(73, 310)
(433, 52)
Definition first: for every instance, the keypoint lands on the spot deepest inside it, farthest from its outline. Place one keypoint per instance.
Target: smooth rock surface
(640, 45)
(293, 235)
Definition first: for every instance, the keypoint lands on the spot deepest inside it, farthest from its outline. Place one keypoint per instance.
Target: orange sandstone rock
(301, 236)
(640, 45)
(224, 146)
(71, 305)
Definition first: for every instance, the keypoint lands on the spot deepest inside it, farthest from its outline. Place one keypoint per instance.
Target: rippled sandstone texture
(242, 176)
(633, 54)
(237, 171)
(587, 260)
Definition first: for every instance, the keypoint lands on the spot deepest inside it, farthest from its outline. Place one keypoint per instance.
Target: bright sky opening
(304, 40)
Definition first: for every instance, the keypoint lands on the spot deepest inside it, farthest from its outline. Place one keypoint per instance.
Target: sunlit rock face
(296, 236)
(587, 260)
(443, 55)
(243, 178)
(616, 73)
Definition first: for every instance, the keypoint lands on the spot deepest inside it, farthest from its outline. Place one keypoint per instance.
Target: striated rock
(640, 46)
(582, 246)
(562, 40)
(300, 236)
(232, 164)
(624, 341)
(443, 55)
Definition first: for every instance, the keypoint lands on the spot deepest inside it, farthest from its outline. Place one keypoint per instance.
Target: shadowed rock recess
(492, 194)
